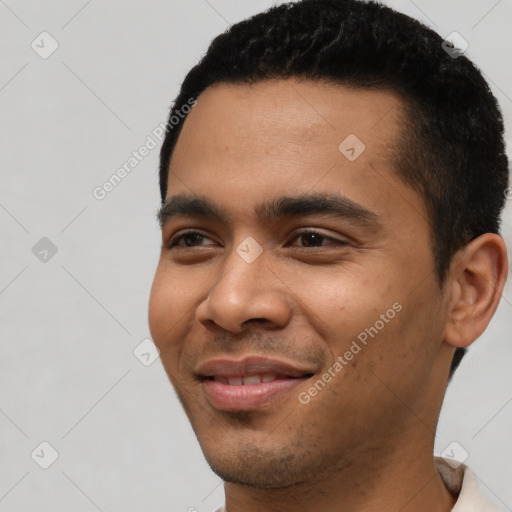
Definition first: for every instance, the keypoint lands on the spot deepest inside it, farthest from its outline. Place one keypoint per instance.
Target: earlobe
(477, 275)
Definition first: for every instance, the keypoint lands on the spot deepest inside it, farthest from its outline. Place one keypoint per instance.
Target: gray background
(69, 324)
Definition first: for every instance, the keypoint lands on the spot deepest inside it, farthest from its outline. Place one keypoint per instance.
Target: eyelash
(174, 242)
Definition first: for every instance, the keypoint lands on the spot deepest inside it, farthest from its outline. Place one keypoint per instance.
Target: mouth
(248, 380)
(251, 383)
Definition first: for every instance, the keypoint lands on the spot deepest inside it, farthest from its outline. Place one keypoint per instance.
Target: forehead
(245, 143)
(288, 121)
(302, 108)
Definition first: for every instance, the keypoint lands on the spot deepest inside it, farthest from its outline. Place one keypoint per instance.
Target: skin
(365, 441)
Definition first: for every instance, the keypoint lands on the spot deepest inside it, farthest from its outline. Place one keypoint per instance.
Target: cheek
(170, 307)
(344, 304)
(167, 319)
(373, 322)
(158, 305)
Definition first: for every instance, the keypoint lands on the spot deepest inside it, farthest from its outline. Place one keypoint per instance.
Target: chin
(254, 467)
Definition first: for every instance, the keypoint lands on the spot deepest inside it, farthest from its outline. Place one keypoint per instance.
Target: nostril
(255, 320)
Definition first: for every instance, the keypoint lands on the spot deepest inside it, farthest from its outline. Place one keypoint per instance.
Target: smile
(251, 383)
(248, 380)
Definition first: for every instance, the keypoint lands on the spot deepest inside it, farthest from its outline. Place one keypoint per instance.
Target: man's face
(310, 255)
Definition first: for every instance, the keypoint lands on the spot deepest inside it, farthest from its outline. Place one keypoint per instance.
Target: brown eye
(189, 239)
(316, 239)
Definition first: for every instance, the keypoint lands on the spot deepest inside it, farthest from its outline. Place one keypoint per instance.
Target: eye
(189, 239)
(307, 238)
(316, 239)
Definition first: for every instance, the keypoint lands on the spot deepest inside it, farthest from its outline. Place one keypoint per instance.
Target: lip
(247, 397)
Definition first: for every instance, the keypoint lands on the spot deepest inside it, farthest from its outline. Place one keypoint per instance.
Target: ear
(476, 279)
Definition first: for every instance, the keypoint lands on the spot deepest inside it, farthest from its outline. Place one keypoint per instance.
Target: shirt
(461, 482)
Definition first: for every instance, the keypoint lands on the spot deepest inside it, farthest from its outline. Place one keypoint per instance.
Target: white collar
(461, 482)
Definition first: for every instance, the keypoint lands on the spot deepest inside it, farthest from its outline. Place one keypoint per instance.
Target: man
(332, 179)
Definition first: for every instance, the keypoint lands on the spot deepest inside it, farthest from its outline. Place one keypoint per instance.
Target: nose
(246, 293)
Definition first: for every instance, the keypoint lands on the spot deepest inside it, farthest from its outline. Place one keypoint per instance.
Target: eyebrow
(333, 205)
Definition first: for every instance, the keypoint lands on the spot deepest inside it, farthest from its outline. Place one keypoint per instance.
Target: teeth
(246, 381)
(252, 379)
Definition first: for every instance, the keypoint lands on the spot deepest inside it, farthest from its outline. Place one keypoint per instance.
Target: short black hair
(452, 149)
